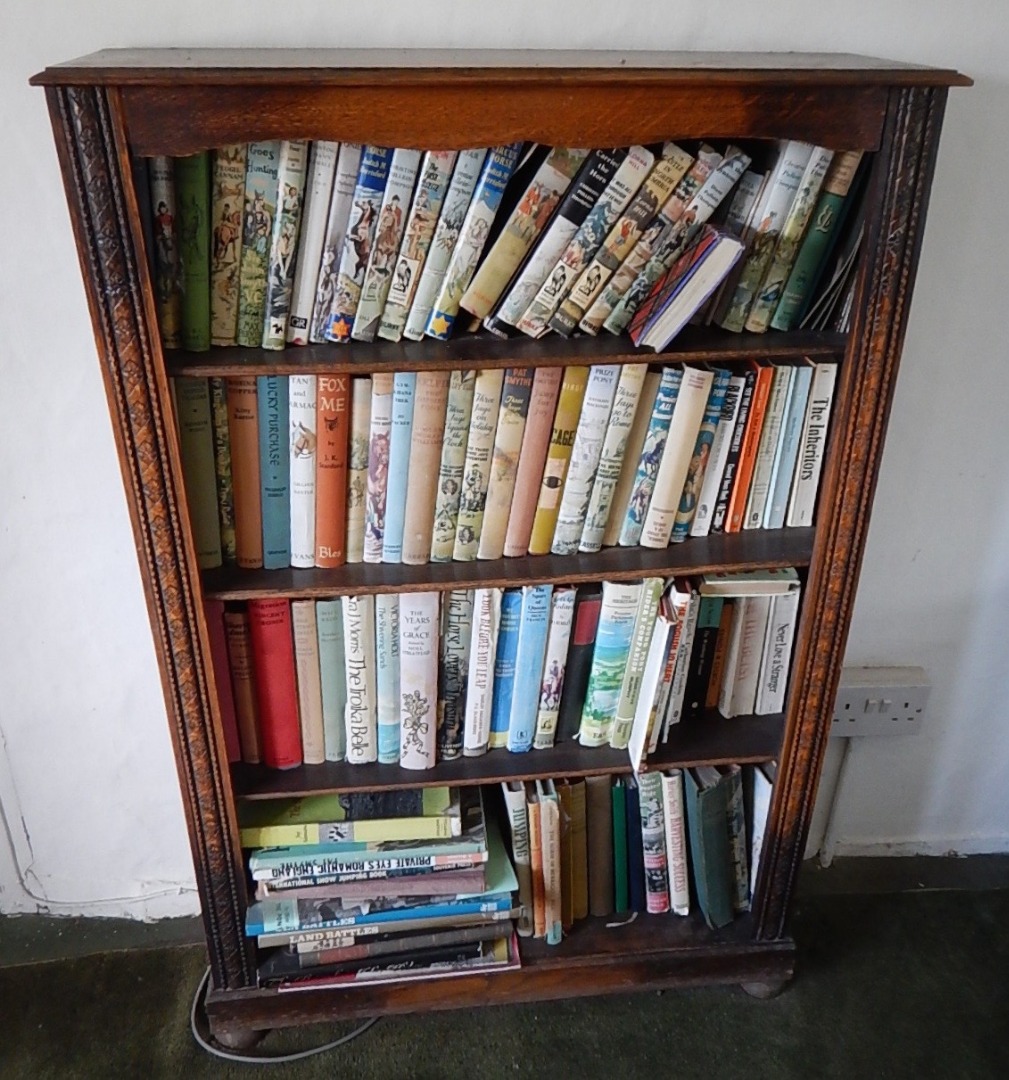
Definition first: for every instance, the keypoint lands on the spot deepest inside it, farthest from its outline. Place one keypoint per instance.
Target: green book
(222, 467)
(706, 800)
(192, 192)
(621, 897)
(196, 449)
(332, 671)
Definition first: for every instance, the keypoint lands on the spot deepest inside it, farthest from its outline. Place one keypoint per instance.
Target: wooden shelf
(751, 550)
(487, 351)
(710, 740)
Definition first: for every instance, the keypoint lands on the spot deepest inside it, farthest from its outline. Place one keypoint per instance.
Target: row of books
(654, 842)
(308, 470)
(380, 887)
(418, 677)
(289, 242)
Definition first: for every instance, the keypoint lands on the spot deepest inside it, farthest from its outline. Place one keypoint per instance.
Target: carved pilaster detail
(91, 146)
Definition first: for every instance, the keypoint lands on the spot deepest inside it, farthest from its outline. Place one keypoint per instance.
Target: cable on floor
(260, 1059)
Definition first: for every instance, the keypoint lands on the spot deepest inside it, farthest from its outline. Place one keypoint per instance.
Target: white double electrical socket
(880, 701)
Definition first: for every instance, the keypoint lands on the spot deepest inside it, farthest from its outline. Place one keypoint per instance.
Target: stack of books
(378, 887)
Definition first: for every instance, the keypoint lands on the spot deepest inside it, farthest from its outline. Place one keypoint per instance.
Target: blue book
(635, 848)
(332, 669)
(387, 676)
(274, 470)
(494, 176)
(699, 459)
(372, 176)
(504, 666)
(651, 457)
(532, 647)
(788, 450)
(403, 387)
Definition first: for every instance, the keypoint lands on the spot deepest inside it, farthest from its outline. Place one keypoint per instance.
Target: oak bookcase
(111, 105)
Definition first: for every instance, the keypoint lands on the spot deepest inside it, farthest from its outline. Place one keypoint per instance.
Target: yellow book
(569, 407)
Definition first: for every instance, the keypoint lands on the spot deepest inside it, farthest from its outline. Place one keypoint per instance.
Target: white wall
(87, 782)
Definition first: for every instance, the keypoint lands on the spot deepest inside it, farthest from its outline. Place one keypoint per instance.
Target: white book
(418, 679)
(784, 462)
(518, 820)
(772, 683)
(701, 525)
(291, 172)
(306, 661)
(387, 638)
(357, 467)
(678, 688)
(802, 504)
(676, 606)
(302, 443)
(318, 195)
(379, 435)
(680, 441)
(467, 169)
(760, 809)
(388, 236)
(769, 445)
(676, 841)
(359, 656)
(453, 456)
(632, 454)
(651, 681)
(585, 457)
(558, 637)
(480, 680)
(341, 200)
(476, 467)
(739, 695)
(641, 639)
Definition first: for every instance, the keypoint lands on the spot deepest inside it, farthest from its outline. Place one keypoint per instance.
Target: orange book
(430, 403)
(214, 612)
(748, 449)
(243, 431)
(721, 651)
(536, 862)
(243, 684)
(332, 408)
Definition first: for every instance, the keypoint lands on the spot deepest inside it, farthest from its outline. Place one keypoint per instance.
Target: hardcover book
(274, 469)
(767, 448)
(717, 456)
(534, 623)
(357, 467)
(630, 684)
(653, 841)
(261, 180)
(306, 659)
(276, 683)
(788, 450)
(332, 445)
(555, 661)
(361, 721)
(676, 841)
(458, 413)
(192, 190)
(387, 676)
(430, 400)
(480, 678)
(504, 666)
(378, 465)
(706, 801)
(318, 194)
(214, 615)
(243, 684)
(518, 821)
(400, 441)
(222, 467)
(284, 241)
(693, 485)
(477, 465)
(333, 677)
(812, 446)
(585, 620)
(599, 818)
(243, 435)
(453, 672)
(303, 449)
(418, 680)
(167, 281)
(196, 449)
(226, 204)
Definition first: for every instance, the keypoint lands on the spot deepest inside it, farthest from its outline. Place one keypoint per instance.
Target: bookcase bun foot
(237, 1039)
(766, 989)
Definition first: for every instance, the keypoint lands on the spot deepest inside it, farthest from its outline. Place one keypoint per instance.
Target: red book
(333, 436)
(213, 611)
(748, 450)
(276, 682)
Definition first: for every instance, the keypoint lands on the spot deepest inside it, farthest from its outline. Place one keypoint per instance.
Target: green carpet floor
(907, 985)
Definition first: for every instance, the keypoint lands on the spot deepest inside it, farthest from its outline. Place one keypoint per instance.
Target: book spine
(653, 840)
(477, 465)
(306, 658)
(404, 390)
(586, 452)
(776, 655)
(650, 458)
(213, 611)
(543, 397)
(276, 682)
(579, 850)
(678, 687)
(630, 685)
(736, 824)
(199, 472)
(812, 446)
(243, 684)
(332, 445)
(495, 174)
(243, 435)
(550, 837)
(534, 623)
(418, 232)
(274, 470)
(721, 510)
(599, 819)
(358, 239)
(333, 678)
(645, 709)
(524, 225)
(719, 454)
(192, 188)
(684, 425)
(518, 821)
(720, 657)
(693, 484)
(341, 201)
(167, 282)
(676, 841)
(318, 196)
(227, 201)
(418, 650)
(457, 631)
(533, 812)
(567, 864)
(357, 467)
(555, 660)
(702, 654)
(621, 897)
(768, 448)
(748, 450)
(388, 236)
(752, 619)
(611, 455)
(360, 721)
(303, 444)
(458, 413)
(578, 667)
(480, 677)
(511, 422)
(430, 397)
(379, 434)
(261, 187)
(284, 241)
(562, 436)
(583, 246)
(628, 470)
(609, 659)
(387, 676)
(678, 610)
(222, 468)
(791, 433)
(504, 667)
